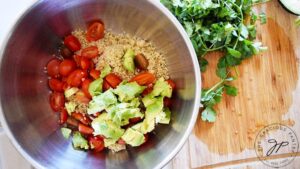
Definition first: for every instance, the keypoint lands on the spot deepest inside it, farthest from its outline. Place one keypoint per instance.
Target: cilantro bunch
(219, 25)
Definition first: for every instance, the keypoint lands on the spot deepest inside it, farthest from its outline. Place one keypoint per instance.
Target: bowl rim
(197, 77)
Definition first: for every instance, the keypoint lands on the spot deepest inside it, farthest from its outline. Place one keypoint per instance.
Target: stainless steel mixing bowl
(26, 116)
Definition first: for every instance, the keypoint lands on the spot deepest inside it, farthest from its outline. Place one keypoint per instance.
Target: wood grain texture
(269, 92)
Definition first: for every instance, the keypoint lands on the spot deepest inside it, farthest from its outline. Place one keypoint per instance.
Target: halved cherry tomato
(90, 52)
(135, 120)
(85, 87)
(82, 118)
(148, 90)
(85, 129)
(167, 102)
(77, 59)
(144, 78)
(65, 52)
(73, 122)
(85, 63)
(80, 97)
(95, 74)
(106, 85)
(76, 77)
(113, 80)
(72, 43)
(53, 68)
(146, 138)
(121, 141)
(57, 101)
(66, 67)
(96, 143)
(63, 116)
(172, 84)
(95, 31)
(56, 85)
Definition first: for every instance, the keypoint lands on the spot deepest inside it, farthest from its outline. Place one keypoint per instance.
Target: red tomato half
(56, 85)
(72, 43)
(147, 90)
(95, 31)
(167, 102)
(95, 74)
(77, 59)
(113, 80)
(85, 63)
(53, 68)
(85, 129)
(96, 143)
(135, 120)
(80, 97)
(90, 52)
(66, 67)
(172, 84)
(63, 116)
(85, 87)
(76, 77)
(82, 118)
(57, 101)
(106, 85)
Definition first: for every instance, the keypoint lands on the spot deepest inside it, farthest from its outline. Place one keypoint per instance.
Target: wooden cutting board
(269, 92)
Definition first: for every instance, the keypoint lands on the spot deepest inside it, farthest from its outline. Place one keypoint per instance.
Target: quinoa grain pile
(113, 47)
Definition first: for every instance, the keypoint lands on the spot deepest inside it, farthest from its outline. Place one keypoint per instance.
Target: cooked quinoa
(113, 47)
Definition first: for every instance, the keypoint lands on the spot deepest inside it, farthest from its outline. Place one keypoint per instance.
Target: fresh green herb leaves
(215, 25)
(211, 97)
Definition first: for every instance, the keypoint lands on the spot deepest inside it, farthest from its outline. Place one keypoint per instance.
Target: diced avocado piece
(155, 108)
(147, 100)
(70, 92)
(70, 107)
(128, 91)
(107, 128)
(65, 132)
(101, 102)
(79, 141)
(122, 116)
(105, 71)
(95, 87)
(162, 88)
(128, 60)
(164, 117)
(145, 126)
(109, 142)
(135, 102)
(133, 137)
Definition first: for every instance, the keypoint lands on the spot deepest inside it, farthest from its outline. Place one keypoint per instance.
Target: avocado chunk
(155, 108)
(102, 125)
(133, 137)
(164, 117)
(128, 91)
(66, 132)
(128, 60)
(145, 126)
(79, 141)
(70, 107)
(162, 88)
(95, 88)
(101, 102)
(70, 92)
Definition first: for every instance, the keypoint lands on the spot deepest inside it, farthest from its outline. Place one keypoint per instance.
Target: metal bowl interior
(26, 115)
